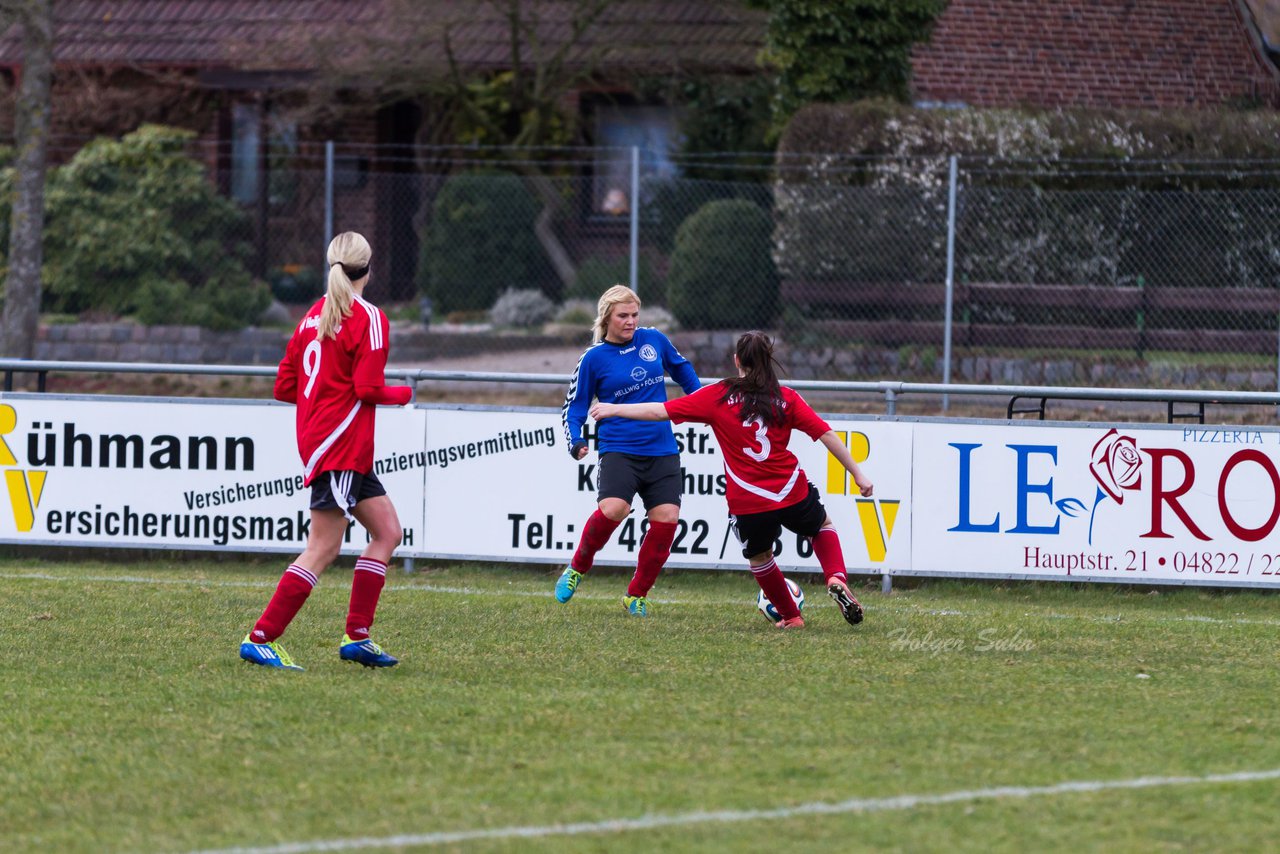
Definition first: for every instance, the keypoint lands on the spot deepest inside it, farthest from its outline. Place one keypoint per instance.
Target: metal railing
(891, 392)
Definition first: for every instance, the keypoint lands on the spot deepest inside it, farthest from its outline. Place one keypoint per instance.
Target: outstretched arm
(838, 450)
(634, 411)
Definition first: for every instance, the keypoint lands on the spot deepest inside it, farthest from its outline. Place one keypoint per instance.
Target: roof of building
(286, 34)
(1094, 53)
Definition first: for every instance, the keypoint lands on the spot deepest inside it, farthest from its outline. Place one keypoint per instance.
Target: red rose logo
(1116, 465)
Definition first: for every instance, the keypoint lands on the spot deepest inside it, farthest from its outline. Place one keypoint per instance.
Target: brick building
(255, 77)
(1098, 53)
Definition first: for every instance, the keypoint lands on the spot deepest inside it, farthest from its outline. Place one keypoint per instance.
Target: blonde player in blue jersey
(628, 363)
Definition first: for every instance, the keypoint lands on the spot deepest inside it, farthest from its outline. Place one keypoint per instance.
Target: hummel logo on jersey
(630, 349)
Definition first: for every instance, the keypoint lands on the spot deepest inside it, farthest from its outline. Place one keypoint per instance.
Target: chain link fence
(929, 269)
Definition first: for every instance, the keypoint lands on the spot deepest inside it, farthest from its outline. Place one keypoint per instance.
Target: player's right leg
(757, 531)
(616, 487)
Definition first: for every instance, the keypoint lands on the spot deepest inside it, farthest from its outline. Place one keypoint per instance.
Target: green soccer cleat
(567, 583)
(637, 606)
(365, 652)
(269, 654)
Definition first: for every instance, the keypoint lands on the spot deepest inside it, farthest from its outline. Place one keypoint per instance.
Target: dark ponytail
(757, 391)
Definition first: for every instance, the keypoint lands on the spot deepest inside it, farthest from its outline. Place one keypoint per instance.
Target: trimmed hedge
(887, 128)
(722, 274)
(481, 242)
(1107, 198)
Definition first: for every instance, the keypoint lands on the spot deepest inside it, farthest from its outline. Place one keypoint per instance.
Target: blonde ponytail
(348, 253)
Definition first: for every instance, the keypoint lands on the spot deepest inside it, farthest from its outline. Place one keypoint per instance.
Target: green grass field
(947, 721)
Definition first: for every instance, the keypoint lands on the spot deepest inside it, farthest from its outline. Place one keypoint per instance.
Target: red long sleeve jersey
(762, 473)
(336, 384)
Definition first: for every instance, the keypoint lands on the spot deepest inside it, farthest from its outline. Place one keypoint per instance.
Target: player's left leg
(660, 490)
(378, 516)
(655, 548)
(809, 518)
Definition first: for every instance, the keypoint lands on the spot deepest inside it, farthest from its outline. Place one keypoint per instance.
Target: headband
(354, 273)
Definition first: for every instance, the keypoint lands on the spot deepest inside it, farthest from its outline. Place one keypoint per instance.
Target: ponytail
(348, 258)
(757, 392)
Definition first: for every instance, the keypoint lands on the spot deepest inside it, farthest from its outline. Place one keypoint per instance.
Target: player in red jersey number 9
(333, 371)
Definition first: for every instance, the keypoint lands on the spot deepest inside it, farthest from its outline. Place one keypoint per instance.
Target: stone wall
(709, 352)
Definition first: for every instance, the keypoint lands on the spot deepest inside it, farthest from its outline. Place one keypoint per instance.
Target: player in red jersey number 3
(752, 417)
(333, 372)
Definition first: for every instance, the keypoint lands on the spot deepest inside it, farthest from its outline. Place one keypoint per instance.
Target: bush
(670, 201)
(525, 309)
(597, 275)
(1097, 197)
(722, 272)
(296, 283)
(577, 311)
(134, 227)
(657, 317)
(480, 242)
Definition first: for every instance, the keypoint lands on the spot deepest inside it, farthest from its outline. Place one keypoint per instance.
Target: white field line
(650, 822)
(871, 607)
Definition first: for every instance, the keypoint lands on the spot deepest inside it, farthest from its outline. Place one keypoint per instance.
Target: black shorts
(656, 479)
(342, 490)
(757, 531)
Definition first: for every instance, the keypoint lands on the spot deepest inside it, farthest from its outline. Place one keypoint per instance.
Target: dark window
(618, 129)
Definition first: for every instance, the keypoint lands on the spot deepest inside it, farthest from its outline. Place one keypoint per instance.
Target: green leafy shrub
(837, 50)
(296, 283)
(133, 227)
(669, 202)
(722, 272)
(480, 242)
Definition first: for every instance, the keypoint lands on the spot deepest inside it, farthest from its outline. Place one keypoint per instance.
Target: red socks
(826, 546)
(774, 585)
(595, 534)
(291, 593)
(654, 551)
(366, 587)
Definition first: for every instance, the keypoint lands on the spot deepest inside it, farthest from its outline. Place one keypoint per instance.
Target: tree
(536, 54)
(31, 131)
(135, 227)
(842, 50)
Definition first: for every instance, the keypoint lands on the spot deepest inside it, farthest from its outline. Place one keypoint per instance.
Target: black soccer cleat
(850, 607)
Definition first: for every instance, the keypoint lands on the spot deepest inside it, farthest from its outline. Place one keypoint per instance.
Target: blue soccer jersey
(627, 373)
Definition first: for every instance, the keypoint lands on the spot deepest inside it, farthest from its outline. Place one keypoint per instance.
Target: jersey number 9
(311, 366)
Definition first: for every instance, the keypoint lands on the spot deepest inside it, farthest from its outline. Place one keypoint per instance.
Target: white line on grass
(910, 608)
(650, 822)
(270, 585)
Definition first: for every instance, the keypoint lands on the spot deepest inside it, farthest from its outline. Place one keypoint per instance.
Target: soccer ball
(771, 613)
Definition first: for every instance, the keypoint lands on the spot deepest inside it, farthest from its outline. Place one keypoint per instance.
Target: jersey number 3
(762, 439)
(311, 366)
